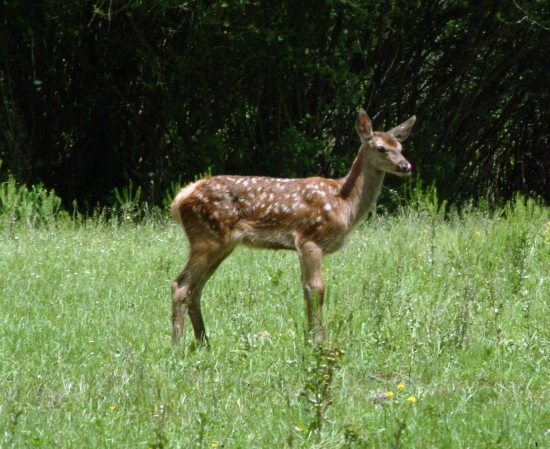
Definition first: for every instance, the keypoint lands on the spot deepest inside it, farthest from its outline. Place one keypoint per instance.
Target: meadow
(436, 323)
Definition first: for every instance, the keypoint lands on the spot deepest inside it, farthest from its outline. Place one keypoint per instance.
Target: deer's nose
(403, 167)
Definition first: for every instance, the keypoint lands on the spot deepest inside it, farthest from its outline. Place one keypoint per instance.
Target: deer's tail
(177, 203)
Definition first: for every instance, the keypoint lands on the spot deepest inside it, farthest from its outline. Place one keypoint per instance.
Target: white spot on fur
(327, 207)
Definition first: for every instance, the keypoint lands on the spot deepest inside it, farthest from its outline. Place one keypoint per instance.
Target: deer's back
(263, 212)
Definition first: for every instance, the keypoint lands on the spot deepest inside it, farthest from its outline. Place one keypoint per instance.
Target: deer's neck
(361, 188)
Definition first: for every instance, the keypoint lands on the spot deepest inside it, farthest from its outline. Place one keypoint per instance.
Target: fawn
(310, 215)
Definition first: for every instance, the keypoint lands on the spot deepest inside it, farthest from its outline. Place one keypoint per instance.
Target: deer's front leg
(311, 264)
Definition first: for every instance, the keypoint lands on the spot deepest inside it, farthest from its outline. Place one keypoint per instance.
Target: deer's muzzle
(403, 167)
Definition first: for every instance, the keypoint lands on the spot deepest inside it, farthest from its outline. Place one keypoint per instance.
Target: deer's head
(383, 149)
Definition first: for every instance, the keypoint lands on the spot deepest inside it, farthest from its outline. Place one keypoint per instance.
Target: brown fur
(311, 215)
(388, 139)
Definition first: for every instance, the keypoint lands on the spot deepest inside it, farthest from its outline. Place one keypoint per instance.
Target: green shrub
(34, 207)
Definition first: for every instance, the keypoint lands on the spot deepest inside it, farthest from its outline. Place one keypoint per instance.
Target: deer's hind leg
(187, 288)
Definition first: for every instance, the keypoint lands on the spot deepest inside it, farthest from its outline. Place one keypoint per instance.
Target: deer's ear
(364, 126)
(402, 131)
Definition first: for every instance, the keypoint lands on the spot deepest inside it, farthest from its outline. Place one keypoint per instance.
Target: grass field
(437, 337)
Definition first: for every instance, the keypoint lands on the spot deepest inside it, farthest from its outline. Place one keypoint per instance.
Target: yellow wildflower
(389, 394)
(411, 399)
(400, 388)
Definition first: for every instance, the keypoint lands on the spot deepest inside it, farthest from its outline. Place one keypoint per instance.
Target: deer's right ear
(402, 131)
(364, 126)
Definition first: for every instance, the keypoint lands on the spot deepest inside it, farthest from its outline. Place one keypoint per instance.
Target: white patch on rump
(180, 197)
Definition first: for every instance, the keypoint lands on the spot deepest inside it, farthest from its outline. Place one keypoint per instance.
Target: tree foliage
(97, 93)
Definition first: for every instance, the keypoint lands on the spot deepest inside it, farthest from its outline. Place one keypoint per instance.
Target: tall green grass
(436, 321)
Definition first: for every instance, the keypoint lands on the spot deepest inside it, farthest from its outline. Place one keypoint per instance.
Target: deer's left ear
(364, 126)
(402, 131)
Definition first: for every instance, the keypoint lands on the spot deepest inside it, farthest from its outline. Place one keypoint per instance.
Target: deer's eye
(381, 149)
